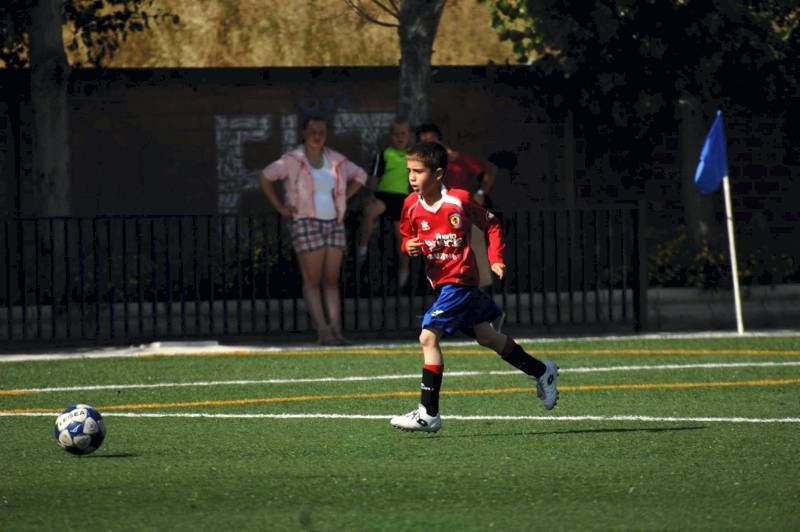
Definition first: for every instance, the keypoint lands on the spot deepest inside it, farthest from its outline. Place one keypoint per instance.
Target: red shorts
(309, 234)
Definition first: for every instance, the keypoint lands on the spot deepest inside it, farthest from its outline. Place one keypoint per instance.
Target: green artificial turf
(174, 473)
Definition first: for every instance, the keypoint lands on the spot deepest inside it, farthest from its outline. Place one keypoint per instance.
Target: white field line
(449, 374)
(383, 417)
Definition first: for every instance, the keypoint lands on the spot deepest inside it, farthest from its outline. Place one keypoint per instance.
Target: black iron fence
(141, 278)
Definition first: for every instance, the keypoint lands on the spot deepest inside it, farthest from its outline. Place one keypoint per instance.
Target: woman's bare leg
(311, 268)
(330, 286)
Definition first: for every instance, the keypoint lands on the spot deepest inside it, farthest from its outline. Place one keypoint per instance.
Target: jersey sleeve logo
(455, 220)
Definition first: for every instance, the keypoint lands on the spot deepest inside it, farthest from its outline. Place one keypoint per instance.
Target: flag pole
(732, 245)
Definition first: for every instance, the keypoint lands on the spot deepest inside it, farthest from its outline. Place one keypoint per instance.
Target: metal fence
(142, 278)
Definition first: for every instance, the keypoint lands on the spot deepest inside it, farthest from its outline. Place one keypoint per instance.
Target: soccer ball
(80, 429)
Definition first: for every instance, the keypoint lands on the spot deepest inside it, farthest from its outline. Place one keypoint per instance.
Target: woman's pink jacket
(293, 168)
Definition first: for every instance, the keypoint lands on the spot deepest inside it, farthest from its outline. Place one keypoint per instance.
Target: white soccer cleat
(547, 385)
(417, 421)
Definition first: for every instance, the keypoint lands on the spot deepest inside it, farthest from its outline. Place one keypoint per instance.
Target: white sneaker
(417, 421)
(547, 385)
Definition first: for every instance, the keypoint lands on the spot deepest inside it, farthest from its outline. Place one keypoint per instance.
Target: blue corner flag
(713, 165)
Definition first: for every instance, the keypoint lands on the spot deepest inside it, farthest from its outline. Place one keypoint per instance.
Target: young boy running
(436, 224)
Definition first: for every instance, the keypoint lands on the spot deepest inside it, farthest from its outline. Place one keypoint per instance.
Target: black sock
(521, 360)
(431, 384)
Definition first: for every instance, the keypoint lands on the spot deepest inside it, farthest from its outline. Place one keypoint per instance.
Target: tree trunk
(698, 209)
(419, 20)
(49, 76)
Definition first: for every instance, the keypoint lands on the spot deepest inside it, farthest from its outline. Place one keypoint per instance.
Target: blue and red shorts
(460, 308)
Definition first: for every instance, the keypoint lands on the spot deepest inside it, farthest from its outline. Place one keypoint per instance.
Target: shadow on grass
(577, 431)
(111, 455)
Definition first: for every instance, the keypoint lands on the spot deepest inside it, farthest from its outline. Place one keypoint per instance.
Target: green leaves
(625, 62)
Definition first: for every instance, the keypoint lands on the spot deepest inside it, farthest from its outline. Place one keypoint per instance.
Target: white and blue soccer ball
(80, 429)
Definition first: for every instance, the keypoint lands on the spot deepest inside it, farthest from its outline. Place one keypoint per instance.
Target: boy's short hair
(400, 121)
(429, 127)
(432, 154)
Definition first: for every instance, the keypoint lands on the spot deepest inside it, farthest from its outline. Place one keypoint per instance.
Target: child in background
(436, 224)
(390, 182)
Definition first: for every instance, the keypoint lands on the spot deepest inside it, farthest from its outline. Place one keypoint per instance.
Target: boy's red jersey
(445, 229)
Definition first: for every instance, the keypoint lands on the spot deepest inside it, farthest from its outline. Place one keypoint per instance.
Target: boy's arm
(489, 224)
(406, 229)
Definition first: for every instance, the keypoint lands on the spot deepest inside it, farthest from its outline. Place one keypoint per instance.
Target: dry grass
(257, 33)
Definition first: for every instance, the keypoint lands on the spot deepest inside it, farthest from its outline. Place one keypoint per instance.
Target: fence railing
(133, 278)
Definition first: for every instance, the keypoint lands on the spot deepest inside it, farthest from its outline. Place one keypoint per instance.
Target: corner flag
(713, 164)
(711, 171)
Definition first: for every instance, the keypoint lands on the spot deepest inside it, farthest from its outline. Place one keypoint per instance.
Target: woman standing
(318, 181)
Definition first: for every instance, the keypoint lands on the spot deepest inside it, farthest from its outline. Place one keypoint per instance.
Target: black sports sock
(431, 384)
(517, 357)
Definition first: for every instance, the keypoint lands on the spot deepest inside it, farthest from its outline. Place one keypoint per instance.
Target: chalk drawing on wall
(290, 131)
(233, 132)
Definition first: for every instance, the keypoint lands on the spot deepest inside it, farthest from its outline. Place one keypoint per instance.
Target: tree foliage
(628, 61)
(630, 68)
(94, 29)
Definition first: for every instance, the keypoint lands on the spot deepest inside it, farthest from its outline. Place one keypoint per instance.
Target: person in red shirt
(476, 176)
(464, 171)
(436, 224)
